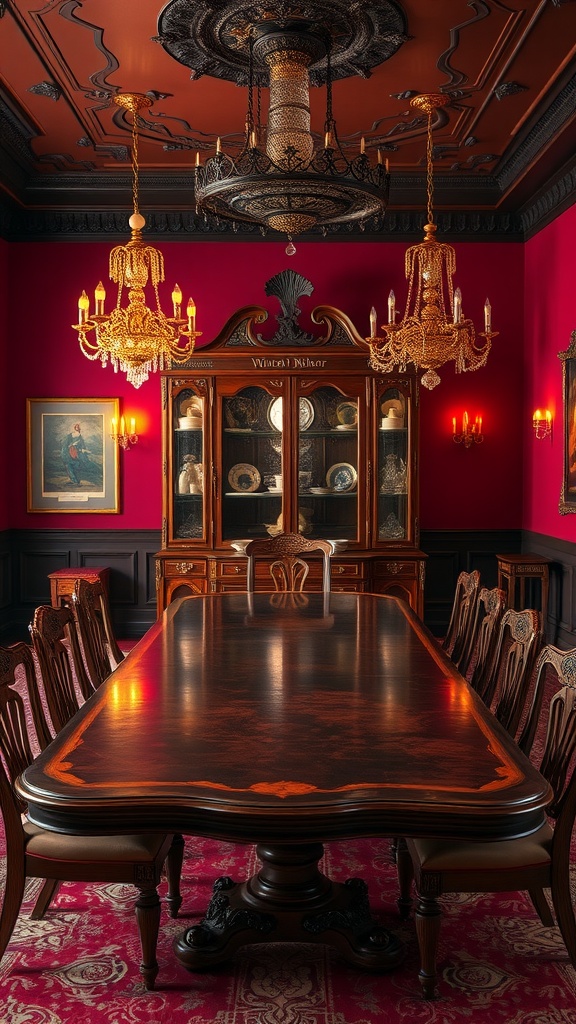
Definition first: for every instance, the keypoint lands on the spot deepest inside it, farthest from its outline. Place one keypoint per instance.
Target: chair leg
(148, 920)
(428, 916)
(13, 896)
(174, 862)
(540, 904)
(47, 893)
(405, 873)
(562, 901)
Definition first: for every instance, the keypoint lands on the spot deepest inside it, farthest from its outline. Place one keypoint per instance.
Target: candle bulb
(177, 300)
(197, 159)
(99, 296)
(362, 146)
(391, 308)
(465, 423)
(253, 139)
(218, 145)
(487, 316)
(191, 314)
(453, 424)
(380, 156)
(83, 307)
(457, 305)
(479, 424)
(122, 426)
(132, 426)
(373, 318)
(113, 428)
(387, 165)
(328, 140)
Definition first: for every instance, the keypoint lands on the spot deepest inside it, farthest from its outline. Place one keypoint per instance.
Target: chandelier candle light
(429, 335)
(136, 339)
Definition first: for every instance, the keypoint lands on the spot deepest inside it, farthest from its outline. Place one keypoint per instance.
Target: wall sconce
(542, 423)
(470, 434)
(120, 436)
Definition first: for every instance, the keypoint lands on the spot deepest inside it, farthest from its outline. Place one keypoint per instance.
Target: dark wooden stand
(516, 569)
(62, 582)
(289, 900)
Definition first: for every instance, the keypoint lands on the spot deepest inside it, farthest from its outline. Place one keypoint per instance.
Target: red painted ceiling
(508, 67)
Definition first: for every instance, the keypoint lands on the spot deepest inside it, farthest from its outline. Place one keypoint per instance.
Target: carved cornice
(550, 203)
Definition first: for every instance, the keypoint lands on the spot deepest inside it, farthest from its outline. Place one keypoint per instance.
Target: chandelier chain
(135, 190)
(429, 170)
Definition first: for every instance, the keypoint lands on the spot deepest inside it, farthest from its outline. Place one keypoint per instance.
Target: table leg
(289, 900)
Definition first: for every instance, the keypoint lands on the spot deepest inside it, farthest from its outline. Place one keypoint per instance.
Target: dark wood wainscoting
(28, 556)
(451, 552)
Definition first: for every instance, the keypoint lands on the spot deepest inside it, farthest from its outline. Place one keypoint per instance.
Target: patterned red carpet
(80, 964)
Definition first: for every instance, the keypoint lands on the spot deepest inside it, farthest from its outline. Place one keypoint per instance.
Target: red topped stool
(62, 582)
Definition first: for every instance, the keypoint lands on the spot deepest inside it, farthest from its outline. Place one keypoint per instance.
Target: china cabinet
(290, 432)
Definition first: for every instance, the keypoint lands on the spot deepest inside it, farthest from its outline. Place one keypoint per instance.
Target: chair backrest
(518, 645)
(101, 651)
(288, 570)
(53, 633)
(479, 652)
(20, 704)
(462, 616)
(554, 669)
(558, 761)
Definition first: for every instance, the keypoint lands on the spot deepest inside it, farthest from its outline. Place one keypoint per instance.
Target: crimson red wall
(550, 318)
(480, 488)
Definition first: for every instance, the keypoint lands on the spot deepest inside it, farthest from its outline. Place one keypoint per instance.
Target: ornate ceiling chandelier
(428, 336)
(285, 178)
(136, 339)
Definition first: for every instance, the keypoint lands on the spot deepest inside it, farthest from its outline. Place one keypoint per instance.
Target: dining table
(287, 720)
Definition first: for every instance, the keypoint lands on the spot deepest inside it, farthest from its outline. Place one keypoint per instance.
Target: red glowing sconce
(471, 432)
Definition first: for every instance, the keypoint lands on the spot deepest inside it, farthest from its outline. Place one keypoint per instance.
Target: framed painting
(568, 495)
(72, 462)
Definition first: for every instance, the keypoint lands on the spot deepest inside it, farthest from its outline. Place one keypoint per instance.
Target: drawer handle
(341, 569)
(184, 567)
(394, 567)
(237, 569)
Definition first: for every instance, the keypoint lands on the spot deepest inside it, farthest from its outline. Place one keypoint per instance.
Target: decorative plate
(306, 413)
(347, 413)
(244, 477)
(341, 477)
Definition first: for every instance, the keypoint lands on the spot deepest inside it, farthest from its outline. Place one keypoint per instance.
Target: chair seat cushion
(451, 855)
(92, 849)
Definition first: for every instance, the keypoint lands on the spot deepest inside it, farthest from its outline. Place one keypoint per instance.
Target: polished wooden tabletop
(287, 720)
(275, 718)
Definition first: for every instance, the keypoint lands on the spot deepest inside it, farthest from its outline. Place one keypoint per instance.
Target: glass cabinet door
(393, 466)
(251, 477)
(330, 452)
(188, 465)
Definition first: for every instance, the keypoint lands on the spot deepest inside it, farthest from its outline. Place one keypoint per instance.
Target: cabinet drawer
(185, 567)
(396, 567)
(232, 568)
(346, 570)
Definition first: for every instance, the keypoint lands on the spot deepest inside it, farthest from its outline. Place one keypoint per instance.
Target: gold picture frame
(568, 495)
(72, 461)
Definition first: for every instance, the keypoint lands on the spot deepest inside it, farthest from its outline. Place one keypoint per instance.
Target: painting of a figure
(73, 454)
(568, 496)
(72, 459)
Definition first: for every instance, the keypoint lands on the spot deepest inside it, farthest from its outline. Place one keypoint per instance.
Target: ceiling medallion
(283, 179)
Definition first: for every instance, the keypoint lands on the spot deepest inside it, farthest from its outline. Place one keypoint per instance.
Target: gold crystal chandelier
(135, 339)
(289, 184)
(428, 335)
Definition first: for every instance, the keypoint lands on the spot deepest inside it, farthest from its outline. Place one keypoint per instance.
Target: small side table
(516, 569)
(62, 582)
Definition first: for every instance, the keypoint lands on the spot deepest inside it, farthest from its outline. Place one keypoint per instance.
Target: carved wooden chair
(92, 611)
(462, 615)
(288, 570)
(33, 852)
(531, 864)
(55, 642)
(506, 686)
(478, 653)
